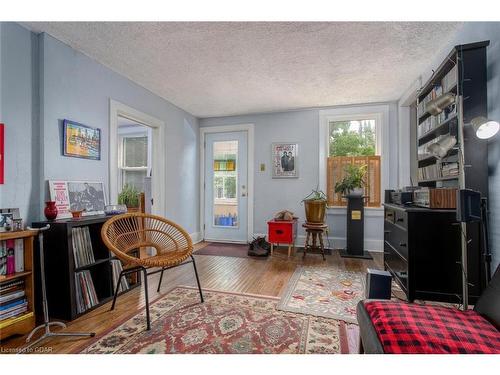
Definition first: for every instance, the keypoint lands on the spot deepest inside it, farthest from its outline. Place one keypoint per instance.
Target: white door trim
(159, 161)
(249, 128)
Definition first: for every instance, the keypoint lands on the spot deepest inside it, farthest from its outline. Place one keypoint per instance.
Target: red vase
(50, 210)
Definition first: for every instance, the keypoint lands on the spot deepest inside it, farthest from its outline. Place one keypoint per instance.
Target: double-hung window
(354, 141)
(134, 160)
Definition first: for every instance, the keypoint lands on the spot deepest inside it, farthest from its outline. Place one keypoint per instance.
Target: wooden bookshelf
(24, 323)
(60, 268)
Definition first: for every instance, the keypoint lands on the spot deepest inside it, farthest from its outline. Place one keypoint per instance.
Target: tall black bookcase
(464, 73)
(60, 266)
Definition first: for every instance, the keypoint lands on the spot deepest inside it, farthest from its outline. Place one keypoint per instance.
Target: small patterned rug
(225, 323)
(324, 291)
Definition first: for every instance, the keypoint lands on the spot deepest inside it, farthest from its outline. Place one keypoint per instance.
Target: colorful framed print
(81, 141)
(284, 160)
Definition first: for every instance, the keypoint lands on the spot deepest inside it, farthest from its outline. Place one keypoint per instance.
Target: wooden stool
(314, 234)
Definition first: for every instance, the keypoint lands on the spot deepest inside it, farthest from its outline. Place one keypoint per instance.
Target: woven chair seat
(125, 233)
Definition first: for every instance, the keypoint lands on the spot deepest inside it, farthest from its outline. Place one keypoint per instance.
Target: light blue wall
(474, 32)
(273, 195)
(19, 112)
(73, 86)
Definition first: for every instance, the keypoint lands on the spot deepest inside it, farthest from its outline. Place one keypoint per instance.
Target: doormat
(225, 250)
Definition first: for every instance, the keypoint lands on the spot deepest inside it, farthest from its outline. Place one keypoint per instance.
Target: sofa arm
(368, 335)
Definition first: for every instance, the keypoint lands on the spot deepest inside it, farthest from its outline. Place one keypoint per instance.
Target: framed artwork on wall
(284, 160)
(78, 195)
(81, 141)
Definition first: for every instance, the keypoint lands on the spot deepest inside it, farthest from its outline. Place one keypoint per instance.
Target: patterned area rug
(324, 291)
(225, 323)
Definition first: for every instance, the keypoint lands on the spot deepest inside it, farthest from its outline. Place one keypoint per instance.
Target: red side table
(282, 232)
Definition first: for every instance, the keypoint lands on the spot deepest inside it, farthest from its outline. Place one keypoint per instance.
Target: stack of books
(116, 266)
(450, 169)
(86, 296)
(11, 257)
(82, 247)
(13, 300)
(429, 173)
(450, 79)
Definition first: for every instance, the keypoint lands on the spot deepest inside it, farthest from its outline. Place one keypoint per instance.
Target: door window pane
(225, 169)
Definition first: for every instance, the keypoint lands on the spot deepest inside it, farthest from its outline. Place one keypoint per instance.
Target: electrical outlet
(262, 167)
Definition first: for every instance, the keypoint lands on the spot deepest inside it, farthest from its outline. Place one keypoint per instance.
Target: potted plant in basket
(353, 181)
(129, 196)
(315, 206)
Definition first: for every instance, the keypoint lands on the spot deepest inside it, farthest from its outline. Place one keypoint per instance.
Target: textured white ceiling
(221, 68)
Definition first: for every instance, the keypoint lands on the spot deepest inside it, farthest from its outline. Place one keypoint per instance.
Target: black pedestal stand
(355, 229)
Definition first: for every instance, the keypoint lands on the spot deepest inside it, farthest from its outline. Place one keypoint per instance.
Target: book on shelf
(15, 294)
(11, 256)
(83, 253)
(86, 296)
(9, 321)
(13, 300)
(450, 79)
(116, 267)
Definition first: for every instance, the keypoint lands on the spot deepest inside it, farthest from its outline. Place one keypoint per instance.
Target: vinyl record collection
(116, 266)
(82, 247)
(86, 296)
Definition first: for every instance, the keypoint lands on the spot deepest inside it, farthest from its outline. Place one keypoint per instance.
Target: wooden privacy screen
(336, 171)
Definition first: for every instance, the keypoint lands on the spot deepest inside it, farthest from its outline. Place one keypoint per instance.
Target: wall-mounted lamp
(436, 106)
(440, 149)
(484, 127)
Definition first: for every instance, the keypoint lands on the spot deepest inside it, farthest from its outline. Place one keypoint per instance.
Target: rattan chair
(124, 234)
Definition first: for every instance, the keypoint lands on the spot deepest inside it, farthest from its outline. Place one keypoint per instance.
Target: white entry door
(226, 189)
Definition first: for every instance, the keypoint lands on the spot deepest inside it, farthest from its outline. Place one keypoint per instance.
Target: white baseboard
(196, 237)
(339, 242)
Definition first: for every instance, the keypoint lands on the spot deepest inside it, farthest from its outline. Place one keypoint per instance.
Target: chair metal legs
(161, 278)
(197, 279)
(116, 290)
(148, 326)
(145, 281)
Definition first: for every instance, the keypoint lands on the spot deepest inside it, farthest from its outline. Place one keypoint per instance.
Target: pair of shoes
(259, 247)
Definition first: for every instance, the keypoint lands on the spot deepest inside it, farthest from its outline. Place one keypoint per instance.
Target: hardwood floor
(267, 276)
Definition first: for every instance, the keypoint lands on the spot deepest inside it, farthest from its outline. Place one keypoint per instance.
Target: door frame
(249, 128)
(159, 159)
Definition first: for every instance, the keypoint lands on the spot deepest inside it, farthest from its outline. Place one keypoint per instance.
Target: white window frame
(121, 146)
(381, 115)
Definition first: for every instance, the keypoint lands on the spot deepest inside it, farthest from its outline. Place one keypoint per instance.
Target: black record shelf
(60, 267)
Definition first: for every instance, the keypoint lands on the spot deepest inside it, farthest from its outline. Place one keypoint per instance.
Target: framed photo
(7, 216)
(78, 195)
(81, 141)
(284, 160)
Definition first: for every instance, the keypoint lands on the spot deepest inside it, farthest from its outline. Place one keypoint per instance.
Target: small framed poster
(284, 160)
(78, 195)
(81, 141)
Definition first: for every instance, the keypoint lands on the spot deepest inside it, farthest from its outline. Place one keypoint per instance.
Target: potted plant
(129, 196)
(315, 206)
(353, 181)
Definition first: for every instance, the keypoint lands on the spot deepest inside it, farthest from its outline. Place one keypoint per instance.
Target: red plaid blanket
(410, 328)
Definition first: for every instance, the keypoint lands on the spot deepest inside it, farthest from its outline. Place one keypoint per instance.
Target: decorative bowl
(77, 214)
(115, 209)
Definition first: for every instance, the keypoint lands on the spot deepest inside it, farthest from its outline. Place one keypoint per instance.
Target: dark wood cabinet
(60, 266)
(422, 251)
